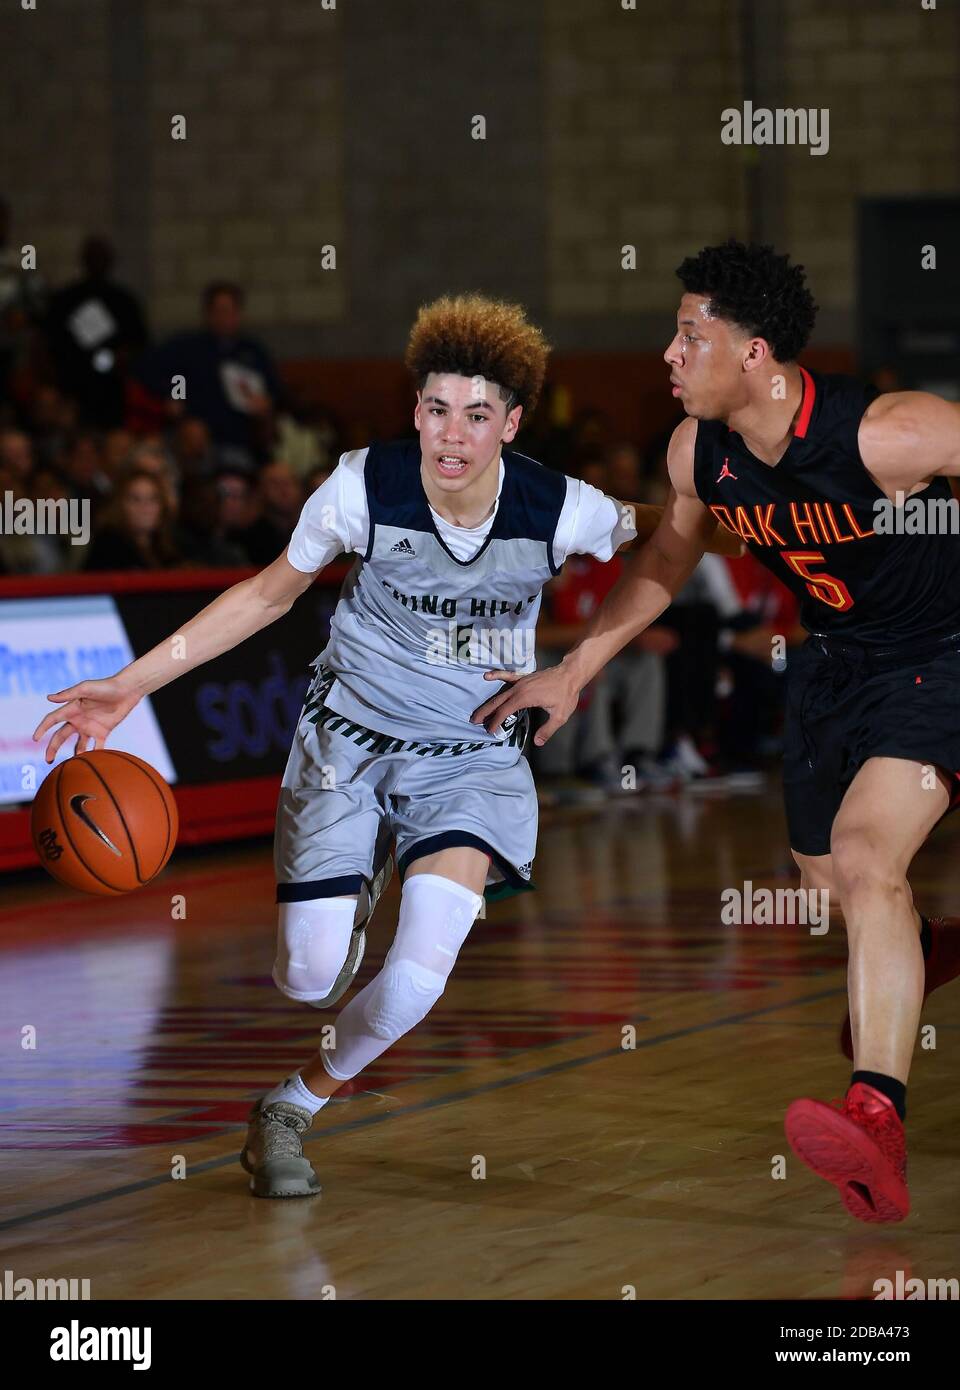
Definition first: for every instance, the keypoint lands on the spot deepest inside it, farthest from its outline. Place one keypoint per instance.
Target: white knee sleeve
(436, 915)
(404, 996)
(312, 942)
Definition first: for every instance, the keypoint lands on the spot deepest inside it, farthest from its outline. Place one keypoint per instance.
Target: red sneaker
(941, 966)
(858, 1145)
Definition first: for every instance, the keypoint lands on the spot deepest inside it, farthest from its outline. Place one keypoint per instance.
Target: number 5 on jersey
(826, 587)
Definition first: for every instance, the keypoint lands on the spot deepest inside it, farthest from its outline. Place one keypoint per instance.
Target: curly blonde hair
(470, 335)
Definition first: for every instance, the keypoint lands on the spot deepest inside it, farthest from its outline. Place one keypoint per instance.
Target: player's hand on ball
(552, 691)
(88, 710)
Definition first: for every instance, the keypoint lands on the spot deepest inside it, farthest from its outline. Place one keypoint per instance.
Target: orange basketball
(104, 822)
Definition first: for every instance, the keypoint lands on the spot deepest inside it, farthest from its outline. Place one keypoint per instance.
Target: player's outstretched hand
(550, 690)
(90, 710)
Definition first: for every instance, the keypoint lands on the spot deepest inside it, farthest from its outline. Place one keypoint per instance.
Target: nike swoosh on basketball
(78, 809)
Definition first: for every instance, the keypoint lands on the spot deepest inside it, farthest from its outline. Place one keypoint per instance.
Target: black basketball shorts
(847, 703)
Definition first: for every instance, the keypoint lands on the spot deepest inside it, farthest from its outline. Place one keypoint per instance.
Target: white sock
(294, 1092)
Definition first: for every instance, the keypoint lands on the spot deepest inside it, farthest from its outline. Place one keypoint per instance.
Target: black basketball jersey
(810, 519)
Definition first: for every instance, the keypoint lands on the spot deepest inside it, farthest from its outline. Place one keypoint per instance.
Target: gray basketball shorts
(349, 794)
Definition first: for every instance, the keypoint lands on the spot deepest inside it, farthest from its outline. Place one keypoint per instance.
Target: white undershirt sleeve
(335, 519)
(591, 523)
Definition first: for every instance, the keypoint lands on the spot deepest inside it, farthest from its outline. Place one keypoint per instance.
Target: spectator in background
(29, 554)
(81, 468)
(754, 651)
(621, 716)
(589, 434)
(694, 616)
(20, 554)
(236, 507)
(280, 497)
(16, 460)
(151, 456)
(136, 530)
(231, 382)
(623, 473)
(51, 420)
(21, 303)
(193, 450)
(202, 531)
(95, 329)
(118, 446)
(655, 479)
(549, 435)
(306, 437)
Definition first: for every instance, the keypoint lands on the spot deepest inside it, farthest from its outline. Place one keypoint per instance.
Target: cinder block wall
(351, 126)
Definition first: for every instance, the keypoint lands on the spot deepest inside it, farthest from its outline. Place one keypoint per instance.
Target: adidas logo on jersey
(402, 548)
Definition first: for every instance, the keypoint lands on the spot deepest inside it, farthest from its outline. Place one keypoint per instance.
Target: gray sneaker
(273, 1152)
(366, 903)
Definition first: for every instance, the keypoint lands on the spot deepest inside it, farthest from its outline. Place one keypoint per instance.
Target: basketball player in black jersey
(795, 464)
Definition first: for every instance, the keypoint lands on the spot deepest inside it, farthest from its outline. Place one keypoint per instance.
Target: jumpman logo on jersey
(725, 472)
(403, 547)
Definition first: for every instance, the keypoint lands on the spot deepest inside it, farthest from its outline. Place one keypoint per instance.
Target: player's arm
(232, 617)
(648, 516)
(90, 709)
(910, 437)
(659, 571)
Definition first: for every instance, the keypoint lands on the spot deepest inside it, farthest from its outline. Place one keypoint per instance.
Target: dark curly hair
(470, 335)
(758, 290)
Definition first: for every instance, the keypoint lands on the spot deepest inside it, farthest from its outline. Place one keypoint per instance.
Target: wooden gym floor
(606, 1168)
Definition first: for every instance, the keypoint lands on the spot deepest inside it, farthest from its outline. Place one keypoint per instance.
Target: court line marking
(210, 1164)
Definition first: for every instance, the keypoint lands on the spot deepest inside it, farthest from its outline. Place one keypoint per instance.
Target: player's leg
(886, 814)
(328, 833)
(440, 900)
(939, 937)
(460, 820)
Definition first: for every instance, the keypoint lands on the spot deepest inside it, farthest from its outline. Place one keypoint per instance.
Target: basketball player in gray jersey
(455, 535)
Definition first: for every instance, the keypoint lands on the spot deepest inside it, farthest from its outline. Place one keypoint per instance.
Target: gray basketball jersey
(415, 628)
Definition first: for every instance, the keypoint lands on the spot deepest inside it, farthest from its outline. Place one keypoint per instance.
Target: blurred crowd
(191, 452)
(188, 450)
